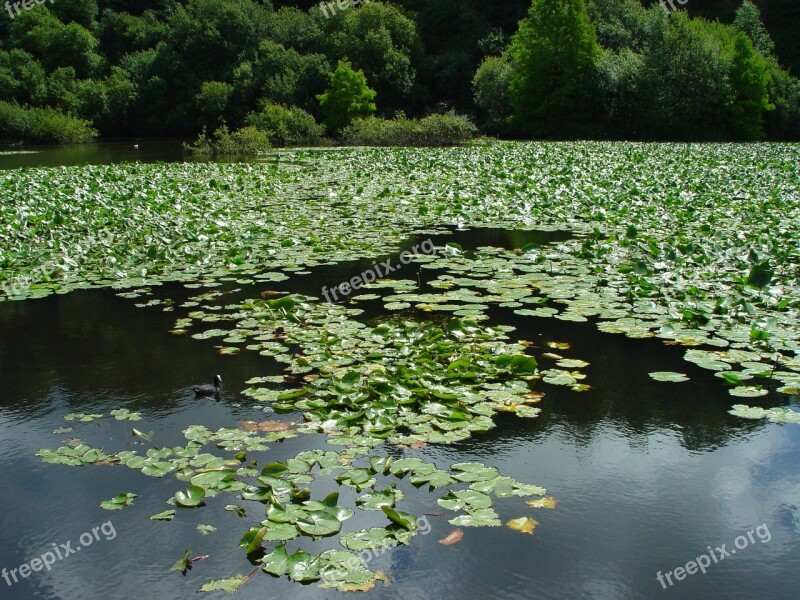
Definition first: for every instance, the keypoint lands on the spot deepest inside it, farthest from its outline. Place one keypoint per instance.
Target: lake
(647, 475)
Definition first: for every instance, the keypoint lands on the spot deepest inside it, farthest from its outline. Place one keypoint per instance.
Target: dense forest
(547, 68)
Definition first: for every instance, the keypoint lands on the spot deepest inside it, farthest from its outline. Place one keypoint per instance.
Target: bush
(45, 125)
(434, 130)
(245, 141)
(287, 126)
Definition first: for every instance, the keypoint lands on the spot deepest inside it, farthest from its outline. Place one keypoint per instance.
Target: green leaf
(404, 520)
(206, 529)
(230, 585)
(253, 539)
(376, 500)
(368, 539)
(303, 566)
(167, 515)
(190, 498)
(459, 500)
(277, 561)
(484, 517)
(319, 524)
(280, 531)
(122, 500)
(183, 563)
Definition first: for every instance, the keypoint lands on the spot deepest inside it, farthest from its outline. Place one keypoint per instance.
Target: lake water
(98, 153)
(647, 475)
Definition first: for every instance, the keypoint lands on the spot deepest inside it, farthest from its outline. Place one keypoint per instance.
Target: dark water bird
(209, 390)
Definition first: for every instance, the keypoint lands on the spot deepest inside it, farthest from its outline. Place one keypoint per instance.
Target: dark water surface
(647, 475)
(111, 151)
(97, 153)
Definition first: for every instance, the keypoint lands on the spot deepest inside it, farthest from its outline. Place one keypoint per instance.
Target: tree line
(519, 69)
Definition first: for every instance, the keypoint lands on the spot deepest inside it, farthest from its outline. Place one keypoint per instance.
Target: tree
(490, 86)
(22, 78)
(56, 45)
(82, 12)
(749, 80)
(380, 40)
(348, 96)
(748, 19)
(212, 100)
(553, 57)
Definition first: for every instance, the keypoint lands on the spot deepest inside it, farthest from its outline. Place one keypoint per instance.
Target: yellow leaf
(523, 525)
(533, 397)
(544, 502)
(559, 345)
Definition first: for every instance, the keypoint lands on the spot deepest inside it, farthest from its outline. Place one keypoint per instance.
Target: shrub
(287, 126)
(45, 125)
(434, 130)
(245, 141)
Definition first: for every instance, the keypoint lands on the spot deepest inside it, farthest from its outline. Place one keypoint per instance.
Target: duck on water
(209, 390)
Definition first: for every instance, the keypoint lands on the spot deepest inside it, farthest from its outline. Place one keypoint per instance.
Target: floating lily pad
(669, 376)
(191, 497)
(119, 502)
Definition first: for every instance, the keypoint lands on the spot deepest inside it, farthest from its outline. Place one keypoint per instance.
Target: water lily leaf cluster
(774, 415)
(441, 383)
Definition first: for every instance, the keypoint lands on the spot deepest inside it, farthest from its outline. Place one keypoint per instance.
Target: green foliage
(552, 58)
(287, 126)
(280, 75)
(685, 79)
(490, 86)
(748, 20)
(782, 123)
(212, 100)
(380, 40)
(82, 12)
(22, 77)
(749, 79)
(434, 130)
(173, 66)
(619, 23)
(348, 96)
(55, 44)
(42, 125)
(245, 141)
